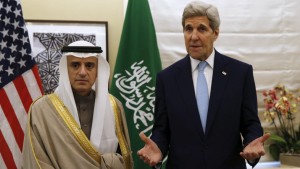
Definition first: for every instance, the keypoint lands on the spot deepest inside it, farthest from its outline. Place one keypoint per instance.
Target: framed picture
(47, 37)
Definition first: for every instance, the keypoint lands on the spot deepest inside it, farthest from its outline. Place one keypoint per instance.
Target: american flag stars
(15, 49)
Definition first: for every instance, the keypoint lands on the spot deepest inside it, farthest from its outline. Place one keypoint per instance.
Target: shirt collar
(209, 60)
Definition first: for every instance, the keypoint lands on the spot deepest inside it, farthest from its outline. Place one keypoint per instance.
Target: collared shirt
(208, 71)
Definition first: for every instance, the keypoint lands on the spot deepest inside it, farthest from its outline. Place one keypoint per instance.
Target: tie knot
(202, 66)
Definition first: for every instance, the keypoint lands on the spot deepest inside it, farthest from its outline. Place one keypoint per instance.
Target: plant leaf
(274, 151)
(277, 138)
(298, 143)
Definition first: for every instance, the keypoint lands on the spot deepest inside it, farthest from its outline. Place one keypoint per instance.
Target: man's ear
(216, 34)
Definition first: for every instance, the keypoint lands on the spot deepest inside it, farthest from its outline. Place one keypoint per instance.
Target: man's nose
(82, 70)
(195, 35)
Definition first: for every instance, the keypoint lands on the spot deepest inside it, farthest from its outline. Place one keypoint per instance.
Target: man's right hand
(150, 153)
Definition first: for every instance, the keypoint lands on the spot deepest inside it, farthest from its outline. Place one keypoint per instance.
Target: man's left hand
(255, 149)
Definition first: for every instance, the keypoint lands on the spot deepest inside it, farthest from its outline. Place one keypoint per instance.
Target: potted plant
(280, 110)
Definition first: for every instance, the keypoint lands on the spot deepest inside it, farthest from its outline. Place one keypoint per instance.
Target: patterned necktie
(202, 94)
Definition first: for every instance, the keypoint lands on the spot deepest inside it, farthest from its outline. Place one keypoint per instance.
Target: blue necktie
(202, 94)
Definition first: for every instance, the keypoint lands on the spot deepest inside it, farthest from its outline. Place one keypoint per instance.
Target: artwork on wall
(48, 37)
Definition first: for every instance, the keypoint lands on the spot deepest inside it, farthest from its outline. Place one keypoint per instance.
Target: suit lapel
(221, 75)
(185, 84)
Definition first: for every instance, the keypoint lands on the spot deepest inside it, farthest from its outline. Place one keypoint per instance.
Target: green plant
(280, 109)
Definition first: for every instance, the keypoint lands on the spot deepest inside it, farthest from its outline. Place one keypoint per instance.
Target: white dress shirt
(208, 71)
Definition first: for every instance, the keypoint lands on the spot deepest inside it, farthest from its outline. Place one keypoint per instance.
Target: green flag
(133, 81)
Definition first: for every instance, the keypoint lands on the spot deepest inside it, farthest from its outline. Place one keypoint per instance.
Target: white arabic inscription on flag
(134, 88)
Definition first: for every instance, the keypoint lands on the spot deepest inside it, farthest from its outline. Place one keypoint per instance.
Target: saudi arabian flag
(133, 81)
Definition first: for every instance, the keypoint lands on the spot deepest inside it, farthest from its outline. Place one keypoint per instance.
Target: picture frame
(98, 28)
(47, 37)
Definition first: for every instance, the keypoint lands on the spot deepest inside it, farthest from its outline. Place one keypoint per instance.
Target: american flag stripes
(19, 83)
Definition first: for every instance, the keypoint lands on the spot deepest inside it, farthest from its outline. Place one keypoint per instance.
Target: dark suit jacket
(232, 112)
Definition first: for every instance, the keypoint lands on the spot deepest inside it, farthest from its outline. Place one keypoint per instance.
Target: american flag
(19, 83)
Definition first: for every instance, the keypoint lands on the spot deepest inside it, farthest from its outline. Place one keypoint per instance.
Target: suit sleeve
(160, 131)
(251, 126)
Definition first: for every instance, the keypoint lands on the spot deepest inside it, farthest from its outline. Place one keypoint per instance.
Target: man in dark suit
(210, 123)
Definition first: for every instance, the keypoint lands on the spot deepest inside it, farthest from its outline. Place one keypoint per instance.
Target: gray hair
(198, 8)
